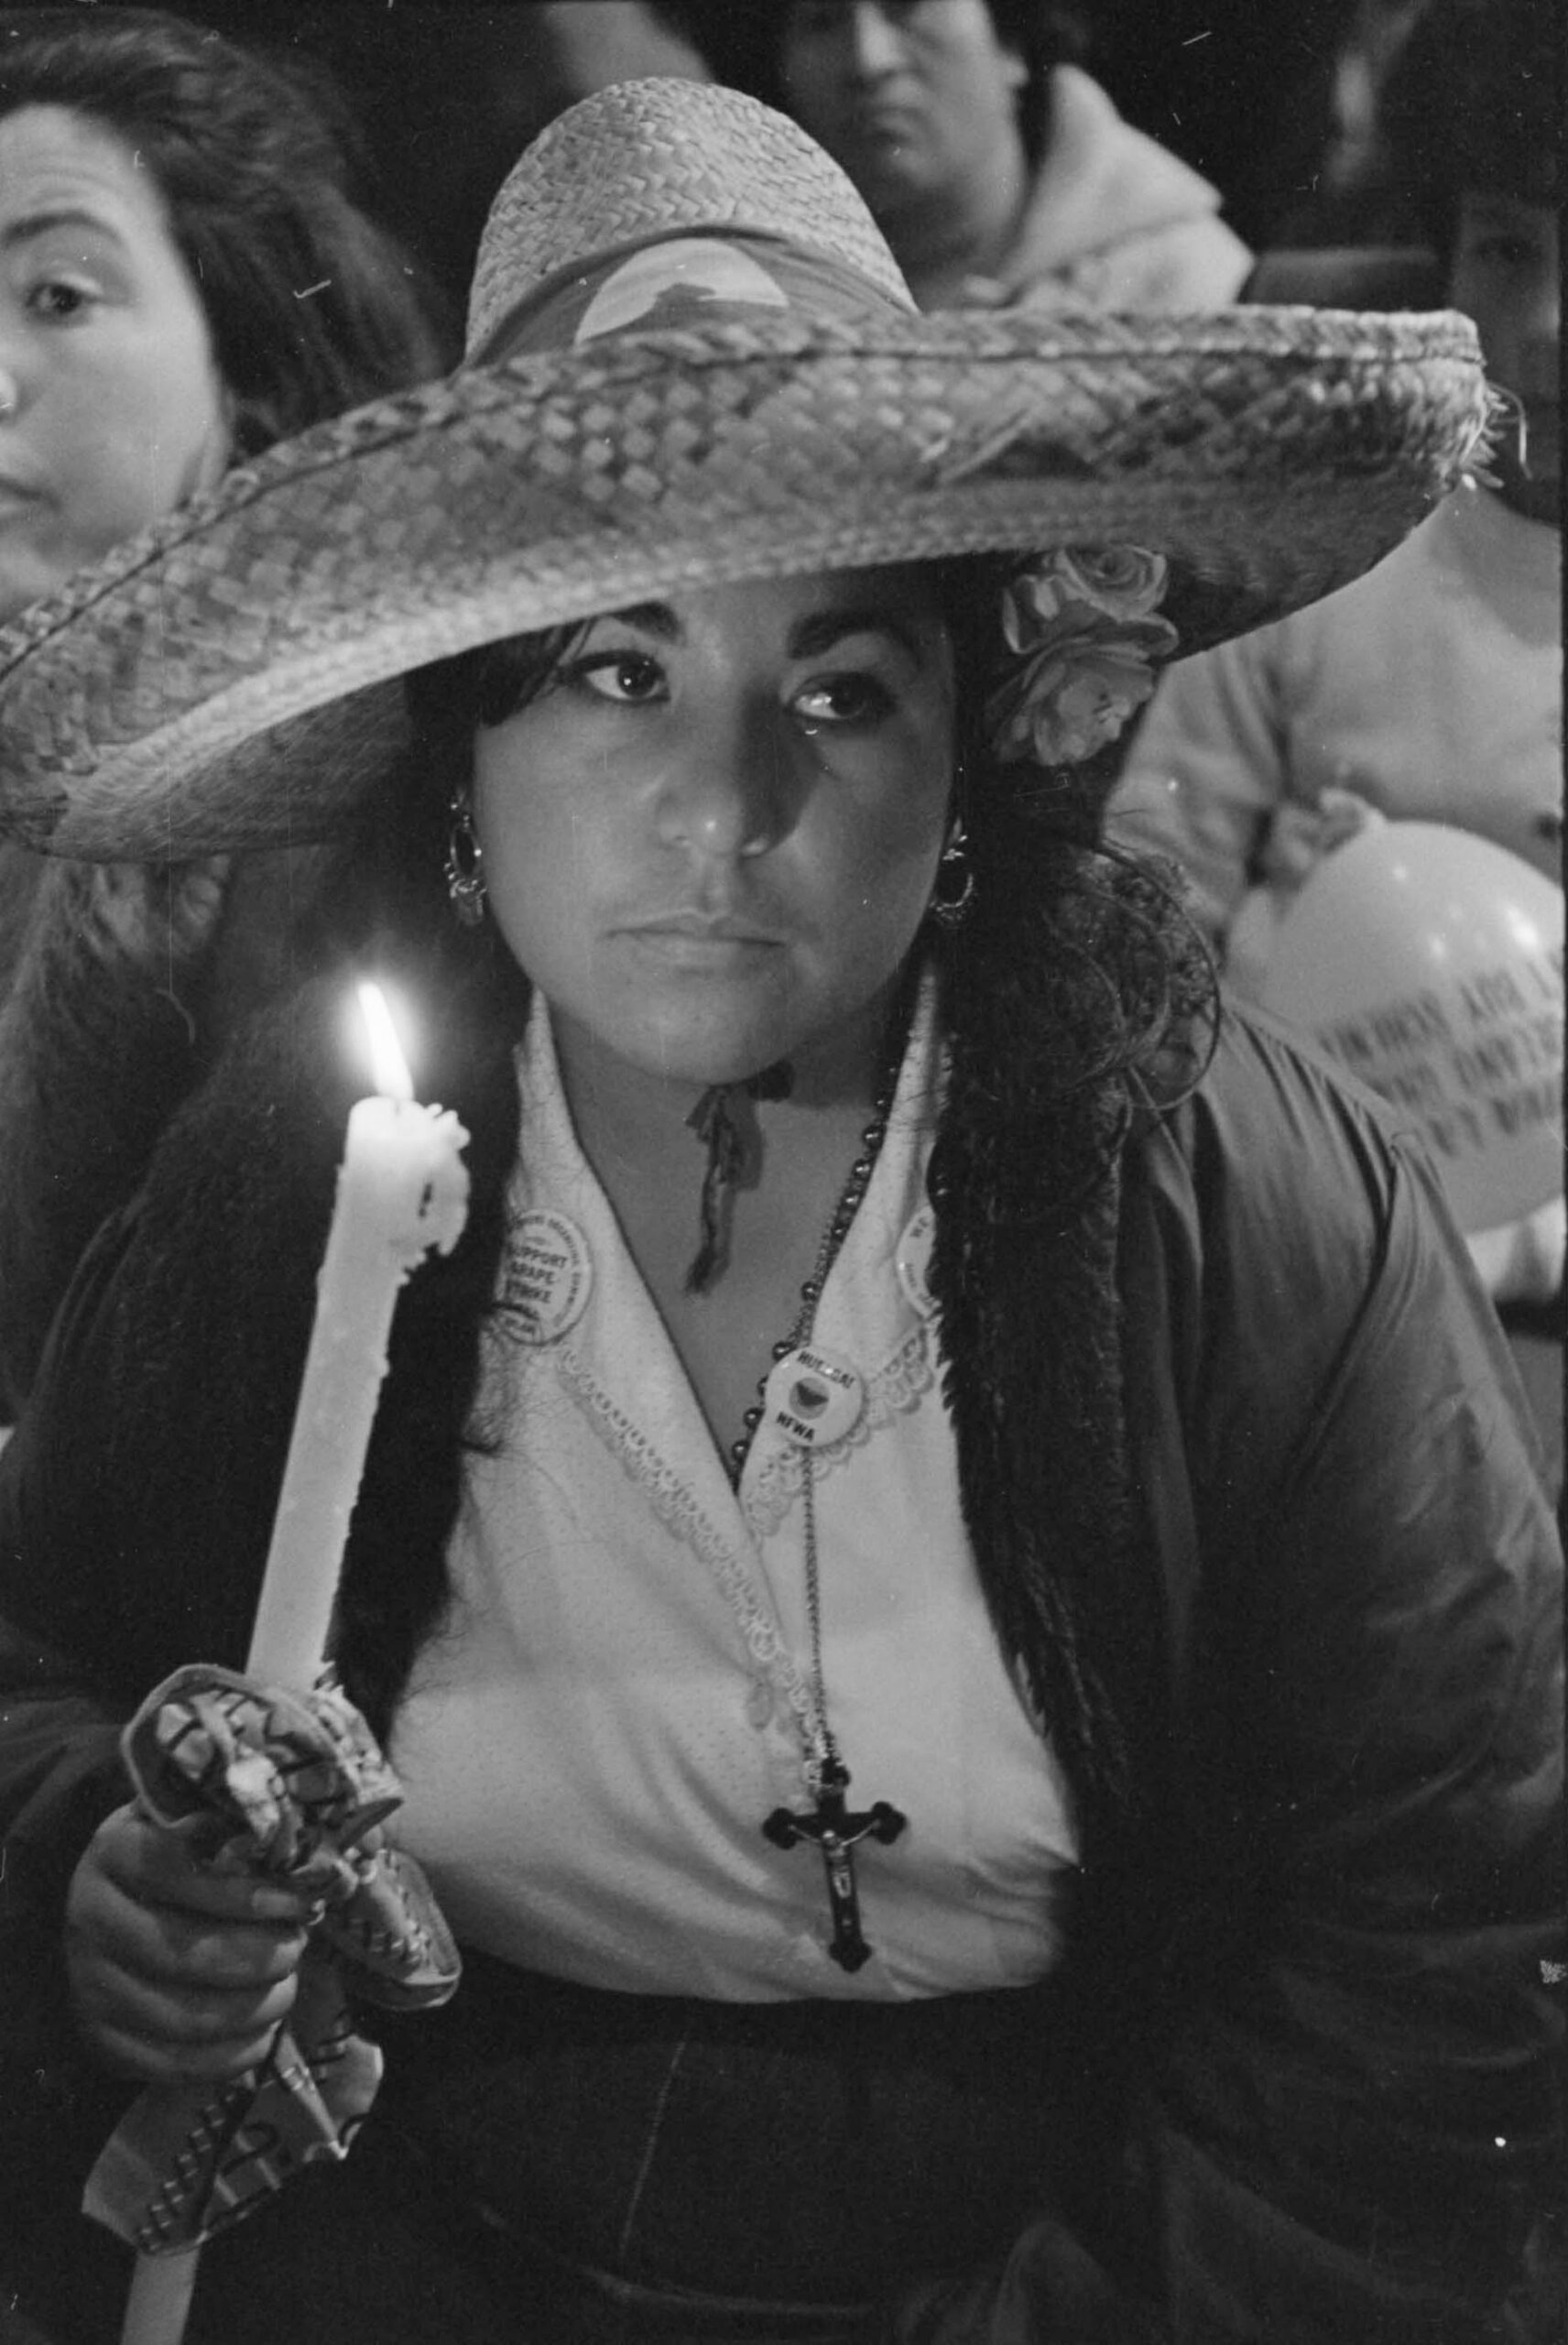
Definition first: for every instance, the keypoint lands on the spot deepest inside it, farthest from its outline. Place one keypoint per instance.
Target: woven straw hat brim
(223, 681)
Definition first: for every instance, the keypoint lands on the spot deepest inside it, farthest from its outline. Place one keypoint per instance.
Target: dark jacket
(1247, 1480)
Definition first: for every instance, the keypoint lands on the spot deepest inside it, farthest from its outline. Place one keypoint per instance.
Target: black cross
(836, 1832)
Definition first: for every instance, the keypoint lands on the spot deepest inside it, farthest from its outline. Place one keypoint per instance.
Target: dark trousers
(549, 2165)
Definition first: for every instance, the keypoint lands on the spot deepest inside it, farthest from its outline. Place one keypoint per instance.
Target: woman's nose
(725, 792)
(873, 45)
(10, 388)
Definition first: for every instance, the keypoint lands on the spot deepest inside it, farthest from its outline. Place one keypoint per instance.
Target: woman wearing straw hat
(189, 278)
(947, 1567)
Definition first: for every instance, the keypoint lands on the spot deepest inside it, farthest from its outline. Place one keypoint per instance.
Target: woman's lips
(702, 939)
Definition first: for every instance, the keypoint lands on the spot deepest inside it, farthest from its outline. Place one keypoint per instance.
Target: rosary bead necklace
(830, 1824)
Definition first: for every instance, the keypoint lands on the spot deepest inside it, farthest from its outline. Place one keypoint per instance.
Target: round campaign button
(912, 1260)
(812, 1397)
(548, 1276)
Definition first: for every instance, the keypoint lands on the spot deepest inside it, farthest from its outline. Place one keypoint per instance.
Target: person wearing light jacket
(998, 170)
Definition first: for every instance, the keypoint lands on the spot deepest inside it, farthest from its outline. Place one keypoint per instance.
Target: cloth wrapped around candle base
(293, 1786)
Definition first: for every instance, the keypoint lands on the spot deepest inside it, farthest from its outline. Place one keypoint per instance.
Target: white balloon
(1429, 963)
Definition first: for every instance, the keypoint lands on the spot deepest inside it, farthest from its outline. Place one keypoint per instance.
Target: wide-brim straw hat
(692, 361)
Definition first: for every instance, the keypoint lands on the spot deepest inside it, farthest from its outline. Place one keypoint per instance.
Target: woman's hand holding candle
(178, 1973)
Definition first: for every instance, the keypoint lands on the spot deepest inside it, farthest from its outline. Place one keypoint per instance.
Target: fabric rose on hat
(1083, 628)
(1117, 582)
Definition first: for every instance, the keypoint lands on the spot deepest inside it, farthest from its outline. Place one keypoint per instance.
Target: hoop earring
(953, 892)
(464, 865)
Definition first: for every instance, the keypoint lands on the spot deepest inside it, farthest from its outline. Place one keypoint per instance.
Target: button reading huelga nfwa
(812, 1397)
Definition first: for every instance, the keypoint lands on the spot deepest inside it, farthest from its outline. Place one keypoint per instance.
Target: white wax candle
(402, 1189)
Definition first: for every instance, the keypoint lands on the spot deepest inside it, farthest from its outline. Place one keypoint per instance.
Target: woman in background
(186, 276)
(998, 171)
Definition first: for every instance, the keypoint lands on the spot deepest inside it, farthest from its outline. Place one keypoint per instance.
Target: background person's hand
(178, 1973)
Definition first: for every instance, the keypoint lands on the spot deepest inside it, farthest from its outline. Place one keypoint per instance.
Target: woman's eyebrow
(651, 618)
(812, 636)
(821, 630)
(30, 225)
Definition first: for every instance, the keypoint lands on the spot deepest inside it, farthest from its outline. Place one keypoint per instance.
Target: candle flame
(389, 1067)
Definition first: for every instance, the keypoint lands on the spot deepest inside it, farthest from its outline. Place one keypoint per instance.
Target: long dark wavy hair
(312, 306)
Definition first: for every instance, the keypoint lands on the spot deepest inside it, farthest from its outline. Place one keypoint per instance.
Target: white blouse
(590, 1749)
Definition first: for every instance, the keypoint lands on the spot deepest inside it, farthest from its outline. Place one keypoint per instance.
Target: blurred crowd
(1277, 114)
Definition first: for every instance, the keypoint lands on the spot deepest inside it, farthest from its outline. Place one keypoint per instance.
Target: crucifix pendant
(836, 1832)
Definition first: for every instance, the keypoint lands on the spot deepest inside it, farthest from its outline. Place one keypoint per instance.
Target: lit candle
(402, 1189)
